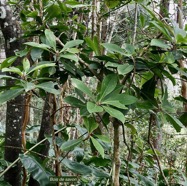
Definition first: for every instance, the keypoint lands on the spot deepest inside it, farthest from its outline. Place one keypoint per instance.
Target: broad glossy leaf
(124, 69)
(77, 167)
(7, 77)
(29, 86)
(98, 147)
(36, 53)
(115, 113)
(7, 62)
(71, 44)
(70, 144)
(73, 50)
(48, 87)
(115, 103)
(108, 85)
(38, 45)
(10, 94)
(159, 43)
(103, 138)
(74, 102)
(81, 86)
(51, 38)
(146, 76)
(26, 64)
(175, 122)
(92, 107)
(100, 174)
(14, 70)
(41, 65)
(94, 46)
(124, 99)
(90, 124)
(70, 56)
(35, 169)
(113, 48)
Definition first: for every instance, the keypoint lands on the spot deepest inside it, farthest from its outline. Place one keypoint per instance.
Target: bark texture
(15, 107)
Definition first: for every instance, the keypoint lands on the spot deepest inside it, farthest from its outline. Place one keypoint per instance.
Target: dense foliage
(113, 119)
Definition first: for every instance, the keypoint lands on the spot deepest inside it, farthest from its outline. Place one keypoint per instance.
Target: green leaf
(51, 38)
(73, 57)
(145, 180)
(7, 62)
(146, 76)
(29, 86)
(183, 119)
(130, 126)
(81, 86)
(90, 124)
(124, 69)
(26, 64)
(74, 101)
(53, 11)
(36, 53)
(40, 65)
(129, 49)
(38, 45)
(103, 138)
(71, 144)
(115, 113)
(10, 94)
(112, 3)
(77, 167)
(92, 107)
(7, 77)
(98, 147)
(115, 103)
(159, 43)
(14, 70)
(108, 85)
(175, 122)
(71, 44)
(94, 45)
(73, 50)
(99, 174)
(113, 48)
(48, 87)
(124, 99)
(35, 169)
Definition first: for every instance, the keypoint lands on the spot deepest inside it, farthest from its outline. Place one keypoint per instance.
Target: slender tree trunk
(157, 131)
(15, 107)
(45, 129)
(182, 64)
(116, 154)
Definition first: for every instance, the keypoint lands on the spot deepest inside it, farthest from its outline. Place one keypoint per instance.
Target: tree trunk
(182, 64)
(45, 129)
(15, 107)
(116, 154)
